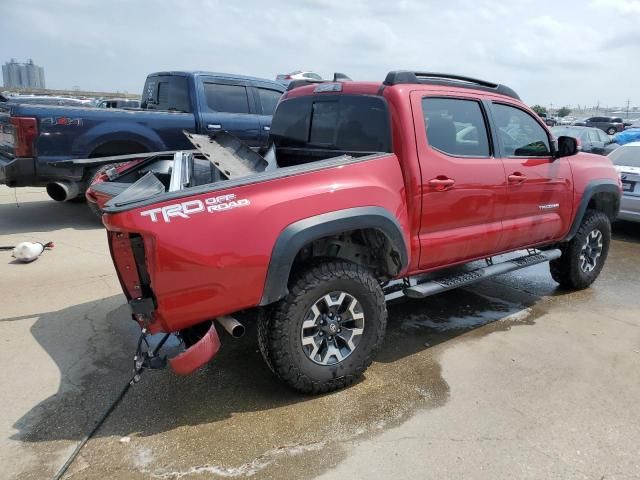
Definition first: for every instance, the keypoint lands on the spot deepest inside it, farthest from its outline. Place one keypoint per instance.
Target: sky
(569, 52)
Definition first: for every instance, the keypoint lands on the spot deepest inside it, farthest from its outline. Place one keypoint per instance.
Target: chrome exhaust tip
(63, 191)
(231, 325)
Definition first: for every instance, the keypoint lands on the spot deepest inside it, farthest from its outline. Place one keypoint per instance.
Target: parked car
(285, 78)
(366, 188)
(629, 135)
(627, 162)
(118, 103)
(548, 120)
(48, 146)
(610, 125)
(592, 140)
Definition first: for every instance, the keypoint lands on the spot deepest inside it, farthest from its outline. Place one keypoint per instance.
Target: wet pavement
(508, 379)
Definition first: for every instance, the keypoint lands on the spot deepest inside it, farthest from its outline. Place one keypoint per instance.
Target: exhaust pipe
(231, 325)
(63, 191)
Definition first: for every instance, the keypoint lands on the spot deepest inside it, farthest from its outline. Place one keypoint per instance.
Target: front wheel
(323, 335)
(611, 131)
(584, 256)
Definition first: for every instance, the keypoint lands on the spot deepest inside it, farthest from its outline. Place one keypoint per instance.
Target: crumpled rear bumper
(198, 354)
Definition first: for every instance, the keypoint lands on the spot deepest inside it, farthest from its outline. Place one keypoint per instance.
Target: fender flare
(594, 187)
(300, 233)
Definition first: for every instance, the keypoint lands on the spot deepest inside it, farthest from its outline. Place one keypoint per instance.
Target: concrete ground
(512, 378)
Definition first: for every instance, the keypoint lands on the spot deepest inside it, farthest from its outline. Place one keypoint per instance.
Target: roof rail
(431, 78)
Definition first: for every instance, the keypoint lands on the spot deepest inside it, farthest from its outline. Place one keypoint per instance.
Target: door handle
(214, 126)
(266, 128)
(441, 183)
(516, 177)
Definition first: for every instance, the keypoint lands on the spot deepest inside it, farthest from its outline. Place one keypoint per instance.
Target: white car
(627, 161)
(298, 75)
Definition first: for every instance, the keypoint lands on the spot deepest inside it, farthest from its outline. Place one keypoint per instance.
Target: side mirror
(567, 146)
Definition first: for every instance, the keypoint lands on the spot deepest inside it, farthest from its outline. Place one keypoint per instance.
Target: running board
(432, 287)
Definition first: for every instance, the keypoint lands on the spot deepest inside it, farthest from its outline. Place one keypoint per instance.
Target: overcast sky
(561, 52)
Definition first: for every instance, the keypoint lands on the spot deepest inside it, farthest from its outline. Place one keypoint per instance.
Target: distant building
(22, 75)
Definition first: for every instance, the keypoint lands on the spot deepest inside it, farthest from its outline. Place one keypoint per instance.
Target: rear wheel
(323, 335)
(611, 131)
(584, 256)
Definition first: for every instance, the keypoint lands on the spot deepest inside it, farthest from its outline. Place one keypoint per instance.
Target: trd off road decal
(186, 209)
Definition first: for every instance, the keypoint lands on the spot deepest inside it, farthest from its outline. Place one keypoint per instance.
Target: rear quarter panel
(215, 263)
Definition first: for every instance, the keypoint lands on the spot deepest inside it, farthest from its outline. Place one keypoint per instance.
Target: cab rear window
(344, 123)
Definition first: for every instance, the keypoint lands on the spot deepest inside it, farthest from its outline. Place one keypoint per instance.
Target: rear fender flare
(298, 234)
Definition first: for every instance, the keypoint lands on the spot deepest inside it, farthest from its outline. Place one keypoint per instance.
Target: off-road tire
(93, 174)
(279, 327)
(566, 269)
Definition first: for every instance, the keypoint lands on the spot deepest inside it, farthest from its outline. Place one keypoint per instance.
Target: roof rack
(431, 78)
(337, 77)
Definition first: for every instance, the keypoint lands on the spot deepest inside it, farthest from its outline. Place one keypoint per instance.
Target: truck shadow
(46, 216)
(628, 232)
(92, 345)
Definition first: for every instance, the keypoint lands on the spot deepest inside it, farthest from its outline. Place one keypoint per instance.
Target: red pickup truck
(376, 190)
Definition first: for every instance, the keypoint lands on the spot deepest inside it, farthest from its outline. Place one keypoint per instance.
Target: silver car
(627, 162)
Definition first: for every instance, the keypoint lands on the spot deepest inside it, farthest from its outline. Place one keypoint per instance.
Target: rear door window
(520, 134)
(226, 98)
(166, 92)
(268, 100)
(456, 127)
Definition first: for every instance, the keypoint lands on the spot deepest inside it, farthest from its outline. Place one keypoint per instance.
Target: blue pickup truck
(38, 143)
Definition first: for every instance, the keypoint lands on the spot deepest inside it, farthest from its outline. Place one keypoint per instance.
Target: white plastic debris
(125, 439)
(27, 252)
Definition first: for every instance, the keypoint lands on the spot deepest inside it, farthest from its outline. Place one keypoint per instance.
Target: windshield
(567, 131)
(626, 156)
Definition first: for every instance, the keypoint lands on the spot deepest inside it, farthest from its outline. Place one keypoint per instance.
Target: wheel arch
(110, 147)
(295, 237)
(602, 195)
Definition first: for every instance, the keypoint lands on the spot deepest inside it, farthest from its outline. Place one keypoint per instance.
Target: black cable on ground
(86, 438)
(115, 403)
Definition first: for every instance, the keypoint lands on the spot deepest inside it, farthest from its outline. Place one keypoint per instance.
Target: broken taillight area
(128, 253)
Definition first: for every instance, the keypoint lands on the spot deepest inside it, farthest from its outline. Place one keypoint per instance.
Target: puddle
(233, 419)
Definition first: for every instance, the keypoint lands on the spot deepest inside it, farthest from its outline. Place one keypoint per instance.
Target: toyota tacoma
(369, 191)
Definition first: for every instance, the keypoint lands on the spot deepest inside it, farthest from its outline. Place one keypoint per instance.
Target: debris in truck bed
(229, 154)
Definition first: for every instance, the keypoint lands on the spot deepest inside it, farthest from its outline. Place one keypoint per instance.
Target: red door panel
(539, 187)
(462, 192)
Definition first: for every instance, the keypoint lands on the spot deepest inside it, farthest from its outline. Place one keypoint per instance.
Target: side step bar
(432, 287)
